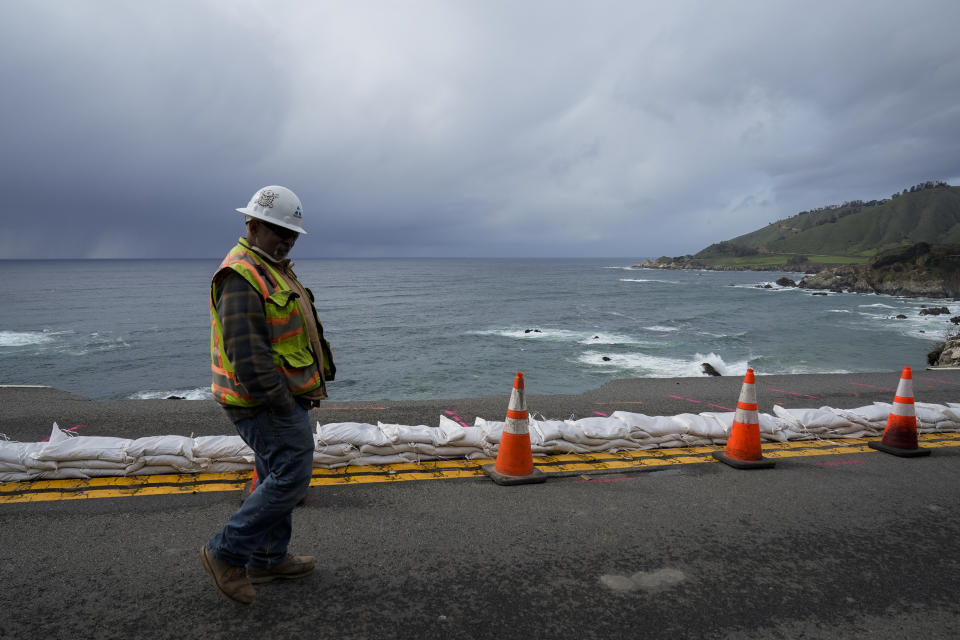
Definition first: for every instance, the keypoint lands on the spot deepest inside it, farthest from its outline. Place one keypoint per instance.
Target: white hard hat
(276, 205)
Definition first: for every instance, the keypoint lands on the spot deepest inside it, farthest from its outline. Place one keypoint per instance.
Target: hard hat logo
(267, 197)
(276, 205)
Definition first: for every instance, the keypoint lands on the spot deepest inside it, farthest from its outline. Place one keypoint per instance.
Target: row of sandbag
(350, 443)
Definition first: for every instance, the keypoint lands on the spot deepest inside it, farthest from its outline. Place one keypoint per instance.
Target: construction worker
(270, 363)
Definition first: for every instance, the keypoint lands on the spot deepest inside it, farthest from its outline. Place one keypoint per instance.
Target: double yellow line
(560, 465)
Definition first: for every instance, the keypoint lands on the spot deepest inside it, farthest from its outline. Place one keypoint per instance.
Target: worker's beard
(280, 251)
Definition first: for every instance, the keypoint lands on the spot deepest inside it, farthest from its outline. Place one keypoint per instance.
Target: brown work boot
(230, 581)
(288, 568)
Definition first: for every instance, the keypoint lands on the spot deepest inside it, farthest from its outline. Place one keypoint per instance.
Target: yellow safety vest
(292, 353)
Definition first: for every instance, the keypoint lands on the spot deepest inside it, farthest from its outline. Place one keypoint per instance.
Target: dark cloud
(447, 129)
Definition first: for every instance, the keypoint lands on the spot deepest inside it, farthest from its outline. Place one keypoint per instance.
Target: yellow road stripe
(170, 484)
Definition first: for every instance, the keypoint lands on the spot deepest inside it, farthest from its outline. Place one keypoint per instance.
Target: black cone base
(897, 451)
(762, 463)
(533, 477)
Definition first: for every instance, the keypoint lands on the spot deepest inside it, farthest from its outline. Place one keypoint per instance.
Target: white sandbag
(445, 452)
(491, 429)
(180, 463)
(470, 437)
(217, 466)
(816, 420)
(153, 471)
(92, 464)
(21, 455)
(445, 434)
(222, 448)
(339, 449)
(559, 446)
(400, 458)
(603, 428)
(86, 448)
(874, 415)
(771, 428)
(332, 465)
(61, 474)
(573, 431)
(935, 417)
(355, 433)
(650, 425)
(17, 476)
(544, 431)
(325, 460)
(180, 446)
(388, 450)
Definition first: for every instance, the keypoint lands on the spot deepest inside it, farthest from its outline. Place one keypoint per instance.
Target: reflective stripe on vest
(293, 355)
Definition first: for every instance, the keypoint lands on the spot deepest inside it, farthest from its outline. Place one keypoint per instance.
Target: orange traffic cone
(514, 458)
(900, 436)
(743, 444)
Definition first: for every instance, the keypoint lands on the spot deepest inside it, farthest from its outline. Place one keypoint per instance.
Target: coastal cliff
(919, 270)
(922, 270)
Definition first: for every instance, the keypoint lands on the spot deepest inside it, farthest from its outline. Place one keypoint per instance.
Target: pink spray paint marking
(453, 415)
(601, 413)
(709, 404)
(938, 381)
(792, 393)
(720, 406)
(872, 386)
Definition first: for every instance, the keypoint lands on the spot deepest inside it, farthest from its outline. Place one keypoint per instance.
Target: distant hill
(928, 212)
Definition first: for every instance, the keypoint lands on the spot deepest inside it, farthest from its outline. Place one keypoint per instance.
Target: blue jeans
(258, 533)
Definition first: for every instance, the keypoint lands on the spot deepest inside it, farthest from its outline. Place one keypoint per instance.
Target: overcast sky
(462, 128)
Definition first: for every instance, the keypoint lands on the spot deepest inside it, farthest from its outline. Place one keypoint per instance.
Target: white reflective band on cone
(517, 425)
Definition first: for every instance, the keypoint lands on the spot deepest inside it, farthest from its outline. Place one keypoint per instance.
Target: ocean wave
(764, 286)
(611, 338)
(201, 393)
(649, 280)
(533, 333)
(96, 343)
(661, 329)
(650, 366)
(25, 338)
(563, 335)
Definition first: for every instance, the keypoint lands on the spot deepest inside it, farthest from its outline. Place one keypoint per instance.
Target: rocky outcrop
(947, 354)
(918, 271)
(934, 311)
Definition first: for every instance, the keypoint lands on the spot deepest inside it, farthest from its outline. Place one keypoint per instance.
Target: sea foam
(24, 338)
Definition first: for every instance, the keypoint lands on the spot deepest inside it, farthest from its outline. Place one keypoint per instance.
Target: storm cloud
(484, 128)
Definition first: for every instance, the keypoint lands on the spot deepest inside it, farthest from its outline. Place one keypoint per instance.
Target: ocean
(406, 329)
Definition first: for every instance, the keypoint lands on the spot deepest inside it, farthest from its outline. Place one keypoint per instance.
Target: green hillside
(929, 213)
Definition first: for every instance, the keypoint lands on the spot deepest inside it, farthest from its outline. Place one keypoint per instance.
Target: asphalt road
(843, 546)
